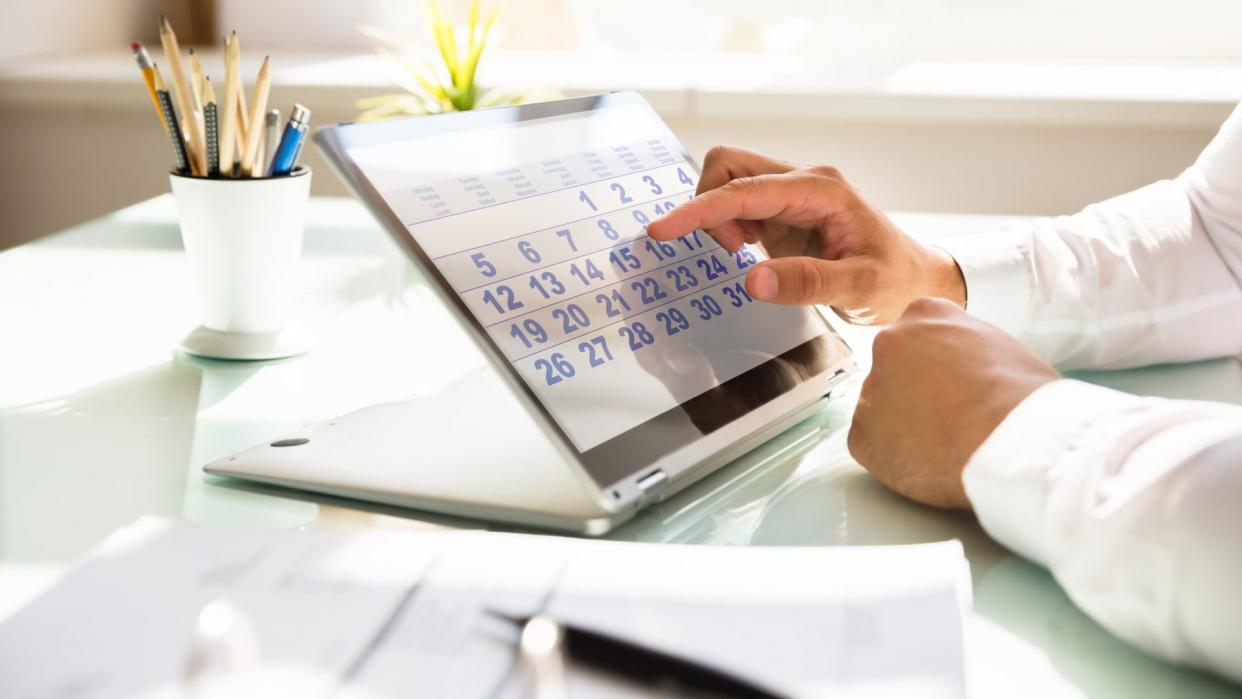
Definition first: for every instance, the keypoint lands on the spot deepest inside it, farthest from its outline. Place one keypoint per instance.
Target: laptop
(619, 369)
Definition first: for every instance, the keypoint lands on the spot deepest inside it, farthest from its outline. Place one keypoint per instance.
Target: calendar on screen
(539, 227)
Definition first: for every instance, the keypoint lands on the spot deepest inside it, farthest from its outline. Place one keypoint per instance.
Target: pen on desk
(183, 99)
(170, 119)
(271, 139)
(148, 77)
(291, 141)
(637, 662)
(211, 128)
(254, 134)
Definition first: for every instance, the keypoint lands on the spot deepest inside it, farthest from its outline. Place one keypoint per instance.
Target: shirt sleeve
(1131, 503)
(1150, 276)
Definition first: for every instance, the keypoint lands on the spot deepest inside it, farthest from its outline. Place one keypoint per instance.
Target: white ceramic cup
(243, 238)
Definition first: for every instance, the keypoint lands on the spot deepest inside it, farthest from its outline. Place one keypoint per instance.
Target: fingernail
(764, 285)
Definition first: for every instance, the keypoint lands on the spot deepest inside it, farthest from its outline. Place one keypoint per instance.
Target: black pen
(643, 664)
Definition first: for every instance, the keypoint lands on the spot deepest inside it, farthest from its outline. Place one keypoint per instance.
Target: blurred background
(984, 106)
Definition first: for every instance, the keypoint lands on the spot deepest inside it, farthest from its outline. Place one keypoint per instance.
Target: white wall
(29, 27)
(68, 161)
(901, 166)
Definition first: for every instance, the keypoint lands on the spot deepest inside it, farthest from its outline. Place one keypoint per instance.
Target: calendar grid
(598, 214)
(601, 292)
(534, 270)
(600, 289)
(624, 319)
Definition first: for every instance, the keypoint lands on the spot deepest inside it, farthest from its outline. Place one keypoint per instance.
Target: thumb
(802, 281)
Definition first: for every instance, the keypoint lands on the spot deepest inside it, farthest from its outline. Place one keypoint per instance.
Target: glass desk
(102, 421)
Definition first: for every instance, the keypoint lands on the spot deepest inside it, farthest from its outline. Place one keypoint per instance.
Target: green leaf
(449, 86)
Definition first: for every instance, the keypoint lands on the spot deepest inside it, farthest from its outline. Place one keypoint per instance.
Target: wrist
(944, 277)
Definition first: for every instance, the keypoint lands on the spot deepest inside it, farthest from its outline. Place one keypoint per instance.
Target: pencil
(257, 108)
(271, 138)
(243, 114)
(170, 118)
(184, 99)
(243, 117)
(228, 120)
(148, 76)
(198, 79)
(210, 128)
(256, 170)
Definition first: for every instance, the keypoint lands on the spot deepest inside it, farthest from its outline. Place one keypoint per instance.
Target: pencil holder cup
(243, 238)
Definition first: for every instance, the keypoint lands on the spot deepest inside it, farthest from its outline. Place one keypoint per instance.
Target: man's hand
(940, 382)
(828, 244)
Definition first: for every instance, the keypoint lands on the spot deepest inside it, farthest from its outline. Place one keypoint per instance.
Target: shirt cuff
(1008, 478)
(997, 274)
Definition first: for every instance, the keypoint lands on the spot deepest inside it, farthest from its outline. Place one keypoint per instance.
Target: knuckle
(740, 185)
(828, 171)
(811, 282)
(717, 152)
(924, 306)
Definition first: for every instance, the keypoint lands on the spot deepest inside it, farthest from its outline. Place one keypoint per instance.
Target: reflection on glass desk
(101, 421)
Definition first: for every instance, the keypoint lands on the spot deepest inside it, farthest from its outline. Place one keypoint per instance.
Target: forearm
(1131, 503)
(1127, 282)
(1150, 276)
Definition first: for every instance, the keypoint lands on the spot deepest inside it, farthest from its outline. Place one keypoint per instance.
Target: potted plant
(444, 81)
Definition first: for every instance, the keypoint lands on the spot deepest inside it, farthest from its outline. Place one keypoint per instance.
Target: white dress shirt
(1133, 503)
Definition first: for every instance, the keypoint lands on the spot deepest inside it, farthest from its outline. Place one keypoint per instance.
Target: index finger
(725, 163)
(794, 198)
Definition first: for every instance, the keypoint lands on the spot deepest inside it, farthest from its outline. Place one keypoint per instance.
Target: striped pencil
(211, 128)
(169, 114)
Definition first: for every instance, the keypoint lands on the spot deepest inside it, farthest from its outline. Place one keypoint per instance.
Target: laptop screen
(536, 223)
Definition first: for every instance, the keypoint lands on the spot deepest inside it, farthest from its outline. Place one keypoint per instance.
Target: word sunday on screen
(553, 260)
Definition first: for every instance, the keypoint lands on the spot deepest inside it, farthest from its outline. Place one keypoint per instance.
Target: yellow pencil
(185, 100)
(147, 66)
(257, 108)
(228, 115)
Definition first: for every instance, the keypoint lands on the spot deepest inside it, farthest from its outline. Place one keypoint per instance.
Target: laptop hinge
(651, 487)
(836, 378)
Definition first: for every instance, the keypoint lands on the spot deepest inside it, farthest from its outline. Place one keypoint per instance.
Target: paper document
(387, 614)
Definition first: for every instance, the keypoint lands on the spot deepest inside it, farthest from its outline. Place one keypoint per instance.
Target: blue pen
(291, 142)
